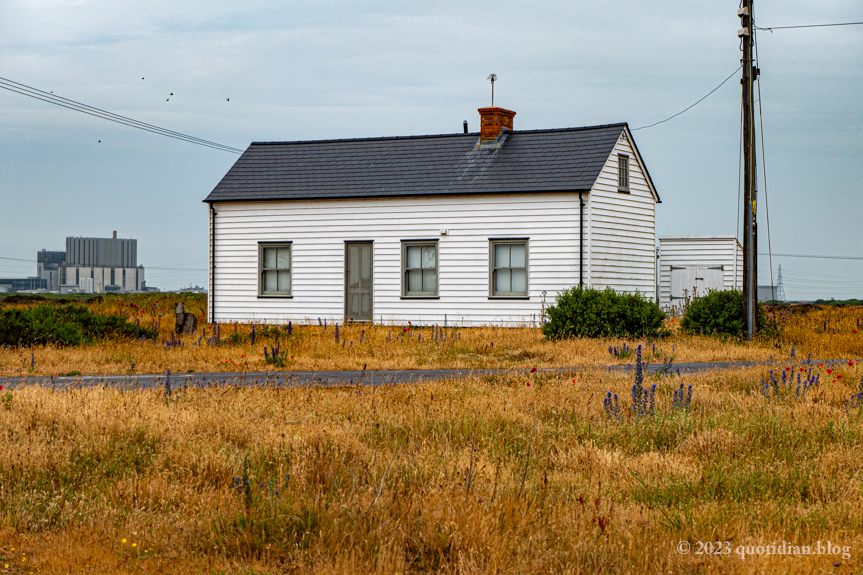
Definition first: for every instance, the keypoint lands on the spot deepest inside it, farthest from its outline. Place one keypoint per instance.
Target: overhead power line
(814, 257)
(17, 259)
(50, 98)
(810, 26)
(146, 267)
(692, 106)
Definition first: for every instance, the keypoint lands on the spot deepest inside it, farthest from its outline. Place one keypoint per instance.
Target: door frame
(345, 281)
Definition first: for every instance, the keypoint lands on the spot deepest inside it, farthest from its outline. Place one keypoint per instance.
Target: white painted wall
(318, 230)
(695, 252)
(622, 242)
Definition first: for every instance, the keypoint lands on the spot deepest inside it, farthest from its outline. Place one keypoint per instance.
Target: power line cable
(17, 259)
(819, 276)
(690, 107)
(37, 94)
(815, 257)
(737, 231)
(764, 169)
(145, 267)
(85, 108)
(772, 28)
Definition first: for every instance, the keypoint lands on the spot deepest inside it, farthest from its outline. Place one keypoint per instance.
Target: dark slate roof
(568, 159)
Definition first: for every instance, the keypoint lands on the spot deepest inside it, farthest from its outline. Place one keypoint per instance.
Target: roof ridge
(419, 137)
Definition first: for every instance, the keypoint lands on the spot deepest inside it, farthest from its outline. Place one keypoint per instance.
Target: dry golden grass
(513, 474)
(312, 348)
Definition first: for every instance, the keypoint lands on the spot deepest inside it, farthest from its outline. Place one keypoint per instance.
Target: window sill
(275, 296)
(420, 297)
(509, 297)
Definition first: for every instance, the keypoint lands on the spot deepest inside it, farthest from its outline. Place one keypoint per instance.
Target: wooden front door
(358, 281)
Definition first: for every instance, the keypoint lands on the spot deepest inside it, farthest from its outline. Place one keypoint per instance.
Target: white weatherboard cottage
(468, 228)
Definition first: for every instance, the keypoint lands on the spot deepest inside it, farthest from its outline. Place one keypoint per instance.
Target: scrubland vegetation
(824, 332)
(518, 473)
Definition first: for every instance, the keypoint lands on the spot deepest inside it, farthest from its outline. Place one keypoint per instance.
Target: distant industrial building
(49, 267)
(89, 265)
(111, 264)
(22, 284)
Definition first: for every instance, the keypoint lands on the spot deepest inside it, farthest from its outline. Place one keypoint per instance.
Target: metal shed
(691, 266)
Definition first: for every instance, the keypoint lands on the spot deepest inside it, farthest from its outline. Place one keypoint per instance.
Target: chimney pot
(493, 121)
(115, 234)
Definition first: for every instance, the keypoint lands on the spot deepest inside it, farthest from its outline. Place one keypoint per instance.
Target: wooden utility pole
(750, 236)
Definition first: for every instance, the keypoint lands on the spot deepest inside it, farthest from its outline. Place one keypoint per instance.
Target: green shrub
(720, 313)
(587, 312)
(66, 325)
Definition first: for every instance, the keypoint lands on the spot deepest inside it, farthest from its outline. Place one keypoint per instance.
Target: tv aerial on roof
(491, 78)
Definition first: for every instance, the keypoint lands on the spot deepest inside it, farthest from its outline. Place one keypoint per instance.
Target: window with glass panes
(275, 269)
(419, 269)
(622, 173)
(508, 268)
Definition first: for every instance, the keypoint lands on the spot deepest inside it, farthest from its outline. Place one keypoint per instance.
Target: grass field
(315, 348)
(523, 473)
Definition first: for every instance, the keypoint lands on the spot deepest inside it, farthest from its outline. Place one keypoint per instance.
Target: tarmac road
(342, 378)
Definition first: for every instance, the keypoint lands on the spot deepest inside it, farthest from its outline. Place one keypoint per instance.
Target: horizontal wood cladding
(622, 226)
(695, 251)
(319, 229)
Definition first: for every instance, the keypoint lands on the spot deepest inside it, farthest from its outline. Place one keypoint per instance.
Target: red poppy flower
(838, 376)
(820, 365)
(829, 370)
(802, 369)
(787, 369)
(528, 384)
(851, 362)
(244, 355)
(292, 357)
(573, 380)
(1, 388)
(533, 370)
(853, 331)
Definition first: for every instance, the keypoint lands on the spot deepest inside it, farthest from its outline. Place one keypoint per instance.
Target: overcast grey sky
(341, 69)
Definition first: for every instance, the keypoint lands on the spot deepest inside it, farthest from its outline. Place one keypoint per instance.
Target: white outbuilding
(692, 266)
(469, 229)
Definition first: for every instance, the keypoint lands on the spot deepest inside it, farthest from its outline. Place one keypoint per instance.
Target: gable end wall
(623, 228)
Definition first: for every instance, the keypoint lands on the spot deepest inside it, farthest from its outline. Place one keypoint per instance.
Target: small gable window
(622, 173)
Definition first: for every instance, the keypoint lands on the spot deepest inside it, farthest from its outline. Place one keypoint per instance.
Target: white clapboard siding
(622, 238)
(318, 230)
(698, 253)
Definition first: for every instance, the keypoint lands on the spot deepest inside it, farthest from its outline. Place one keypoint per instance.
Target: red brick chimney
(493, 121)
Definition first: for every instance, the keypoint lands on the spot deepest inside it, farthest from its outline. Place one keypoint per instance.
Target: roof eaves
(209, 200)
(643, 165)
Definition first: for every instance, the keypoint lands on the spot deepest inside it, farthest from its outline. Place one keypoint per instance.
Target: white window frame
(281, 245)
(404, 269)
(492, 293)
(623, 173)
